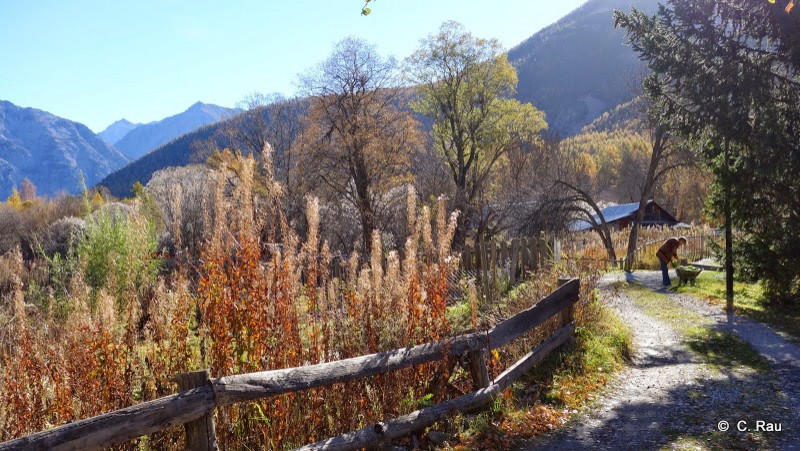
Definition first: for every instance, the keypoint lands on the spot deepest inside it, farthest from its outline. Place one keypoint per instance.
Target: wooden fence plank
(120, 425)
(493, 264)
(483, 268)
(245, 387)
(379, 433)
(524, 321)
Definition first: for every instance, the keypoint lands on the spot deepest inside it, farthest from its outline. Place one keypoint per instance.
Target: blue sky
(98, 61)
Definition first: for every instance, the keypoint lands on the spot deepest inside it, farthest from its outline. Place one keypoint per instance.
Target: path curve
(667, 391)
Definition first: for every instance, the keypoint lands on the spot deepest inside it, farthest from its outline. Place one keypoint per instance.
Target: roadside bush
(118, 251)
(63, 236)
(12, 227)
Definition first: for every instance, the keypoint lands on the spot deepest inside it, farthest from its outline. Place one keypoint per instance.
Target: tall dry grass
(247, 304)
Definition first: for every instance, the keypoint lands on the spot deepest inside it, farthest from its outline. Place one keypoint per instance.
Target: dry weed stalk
(252, 303)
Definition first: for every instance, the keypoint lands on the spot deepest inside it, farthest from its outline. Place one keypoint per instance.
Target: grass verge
(746, 371)
(717, 348)
(566, 381)
(748, 301)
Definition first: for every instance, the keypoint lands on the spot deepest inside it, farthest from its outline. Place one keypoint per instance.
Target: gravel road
(668, 398)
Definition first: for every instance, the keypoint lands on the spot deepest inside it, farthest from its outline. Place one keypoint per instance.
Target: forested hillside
(579, 67)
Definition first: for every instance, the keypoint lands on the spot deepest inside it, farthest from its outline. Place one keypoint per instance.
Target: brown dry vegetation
(247, 304)
(108, 325)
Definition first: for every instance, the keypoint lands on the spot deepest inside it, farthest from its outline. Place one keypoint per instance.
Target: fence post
(492, 266)
(542, 249)
(557, 250)
(478, 369)
(567, 314)
(513, 261)
(200, 433)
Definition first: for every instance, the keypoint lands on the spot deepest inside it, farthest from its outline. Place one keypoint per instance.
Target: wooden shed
(621, 216)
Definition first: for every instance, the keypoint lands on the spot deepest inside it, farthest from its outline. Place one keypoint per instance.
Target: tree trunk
(658, 145)
(607, 239)
(461, 204)
(727, 218)
(634, 234)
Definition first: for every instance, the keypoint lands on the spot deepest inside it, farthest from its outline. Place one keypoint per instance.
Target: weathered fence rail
(195, 406)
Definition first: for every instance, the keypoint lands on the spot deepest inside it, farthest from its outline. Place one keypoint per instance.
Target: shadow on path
(668, 394)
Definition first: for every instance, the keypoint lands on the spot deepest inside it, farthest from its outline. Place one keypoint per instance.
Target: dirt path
(669, 398)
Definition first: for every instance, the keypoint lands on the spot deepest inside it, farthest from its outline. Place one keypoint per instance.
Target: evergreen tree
(726, 75)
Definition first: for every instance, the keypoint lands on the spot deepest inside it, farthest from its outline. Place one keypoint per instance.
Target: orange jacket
(669, 250)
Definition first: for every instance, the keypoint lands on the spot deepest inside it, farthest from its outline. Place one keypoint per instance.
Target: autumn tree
(27, 190)
(575, 192)
(465, 84)
(269, 119)
(666, 153)
(357, 140)
(726, 76)
(14, 200)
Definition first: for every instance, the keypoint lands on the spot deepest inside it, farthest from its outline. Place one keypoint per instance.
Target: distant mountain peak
(147, 137)
(50, 151)
(116, 131)
(579, 66)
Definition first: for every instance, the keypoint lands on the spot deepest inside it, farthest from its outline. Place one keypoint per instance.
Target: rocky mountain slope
(50, 151)
(117, 131)
(147, 137)
(579, 67)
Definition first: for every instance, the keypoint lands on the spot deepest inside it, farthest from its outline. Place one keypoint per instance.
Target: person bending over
(668, 252)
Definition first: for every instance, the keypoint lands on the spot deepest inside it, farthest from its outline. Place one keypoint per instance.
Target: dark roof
(614, 213)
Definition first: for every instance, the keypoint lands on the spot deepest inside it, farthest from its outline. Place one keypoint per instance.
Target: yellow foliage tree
(14, 200)
(97, 200)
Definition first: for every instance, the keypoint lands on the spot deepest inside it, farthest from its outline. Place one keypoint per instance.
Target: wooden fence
(490, 260)
(200, 394)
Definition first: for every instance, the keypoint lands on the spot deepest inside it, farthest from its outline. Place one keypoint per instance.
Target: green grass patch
(717, 348)
(459, 316)
(748, 301)
(570, 376)
(722, 348)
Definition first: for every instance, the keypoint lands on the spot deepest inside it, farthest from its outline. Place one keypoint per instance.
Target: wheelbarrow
(687, 274)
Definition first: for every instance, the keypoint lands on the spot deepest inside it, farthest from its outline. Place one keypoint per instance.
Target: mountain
(147, 137)
(50, 151)
(579, 67)
(185, 149)
(117, 131)
(178, 152)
